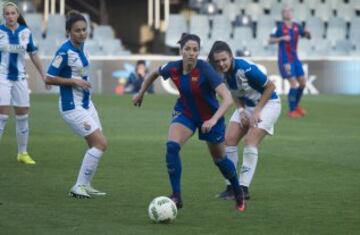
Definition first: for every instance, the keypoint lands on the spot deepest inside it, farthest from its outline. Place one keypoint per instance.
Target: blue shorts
(216, 134)
(296, 70)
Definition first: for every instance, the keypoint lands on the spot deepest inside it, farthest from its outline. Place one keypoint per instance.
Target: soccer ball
(162, 210)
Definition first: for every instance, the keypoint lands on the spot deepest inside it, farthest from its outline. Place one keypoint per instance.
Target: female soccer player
(257, 110)
(15, 40)
(197, 108)
(69, 70)
(286, 35)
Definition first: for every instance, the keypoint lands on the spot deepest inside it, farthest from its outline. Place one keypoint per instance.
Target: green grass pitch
(307, 181)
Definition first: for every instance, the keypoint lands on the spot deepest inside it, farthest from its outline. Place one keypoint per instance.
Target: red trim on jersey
(296, 35)
(202, 106)
(176, 78)
(285, 31)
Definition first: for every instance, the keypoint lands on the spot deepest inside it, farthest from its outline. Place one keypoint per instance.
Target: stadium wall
(108, 74)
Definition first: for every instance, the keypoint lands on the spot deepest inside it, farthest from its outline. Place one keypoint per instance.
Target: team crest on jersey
(87, 126)
(194, 79)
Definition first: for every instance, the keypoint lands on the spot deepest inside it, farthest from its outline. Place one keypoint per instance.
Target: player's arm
(60, 81)
(274, 40)
(137, 100)
(225, 104)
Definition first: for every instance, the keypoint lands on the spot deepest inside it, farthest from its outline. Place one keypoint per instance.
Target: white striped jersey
(13, 46)
(71, 63)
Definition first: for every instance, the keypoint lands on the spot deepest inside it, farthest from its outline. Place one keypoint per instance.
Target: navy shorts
(216, 134)
(296, 70)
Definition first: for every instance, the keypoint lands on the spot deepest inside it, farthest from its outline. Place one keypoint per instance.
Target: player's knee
(230, 141)
(101, 144)
(172, 147)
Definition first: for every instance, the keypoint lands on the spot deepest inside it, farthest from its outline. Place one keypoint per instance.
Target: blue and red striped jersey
(197, 89)
(288, 50)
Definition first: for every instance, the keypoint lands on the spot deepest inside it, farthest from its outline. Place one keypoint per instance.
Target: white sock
(232, 154)
(22, 132)
(88, 166)
(3, 121)
(250, 158)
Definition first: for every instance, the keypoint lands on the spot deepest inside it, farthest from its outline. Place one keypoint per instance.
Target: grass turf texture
(307, 181)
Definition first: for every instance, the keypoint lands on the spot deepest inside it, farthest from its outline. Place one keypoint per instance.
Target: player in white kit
(69, 70)
(257, 110)
(15, 40)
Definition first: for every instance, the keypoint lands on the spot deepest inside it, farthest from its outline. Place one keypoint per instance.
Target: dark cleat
(227, 194)
(177, 200)
(246, 192)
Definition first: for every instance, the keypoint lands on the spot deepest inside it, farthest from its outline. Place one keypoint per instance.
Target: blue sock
(292, 99)
(299, 95)
(173, 163)
(228, 170)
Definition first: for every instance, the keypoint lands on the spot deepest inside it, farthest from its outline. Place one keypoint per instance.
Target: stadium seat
(177, 26)
(336, 29)
(301, 13)
(305, 47)
(355, 4)
(93, 47)
(199, 24)
(56, 27)
(275, 11)
(323, 11)
(103, 32)
(254, 10)
(342, 47)
(243, 34)
(231, 10)
(321, 47)
(354, 34)
(111, 46)
(264, 28)
(266, 4)
(316, 27)
(345, 11)
(35, 23)
(221, 27)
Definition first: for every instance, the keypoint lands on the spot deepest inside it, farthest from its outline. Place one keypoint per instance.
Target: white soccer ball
(162, 210)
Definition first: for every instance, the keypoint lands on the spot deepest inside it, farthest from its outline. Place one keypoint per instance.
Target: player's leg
(180, 130)
(236, 130)
(300, 77)
(4, 116)
(287, 71)
(269, 115)
(5, 102)
(21, 102)
(228, 170)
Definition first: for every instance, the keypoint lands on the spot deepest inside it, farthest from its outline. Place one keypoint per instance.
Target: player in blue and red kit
(286, 34)
(196, 108)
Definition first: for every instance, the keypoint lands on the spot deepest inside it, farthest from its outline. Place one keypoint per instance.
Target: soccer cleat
(246, 192)
(25, 158)
(294, 115)
(79, 191)
(240, 202)
(176, 198)
(227, 194)
(93, 192)
(300, 111)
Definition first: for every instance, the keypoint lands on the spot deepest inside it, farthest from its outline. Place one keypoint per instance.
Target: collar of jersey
(4, 27)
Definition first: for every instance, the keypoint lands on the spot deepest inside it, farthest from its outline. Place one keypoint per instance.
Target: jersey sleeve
(301, 30)
(213, 77)
(256, 77)
(31, 46)
(164, 71)
(57, 64)
(276, 32)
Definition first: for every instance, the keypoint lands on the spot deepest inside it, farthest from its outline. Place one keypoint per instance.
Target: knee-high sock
(232, 154)
(299, 94)
(250, 158)
(173, 164)
(22, 132)
(292, 99)
(3, 121)
(89, 166)
(228, 170)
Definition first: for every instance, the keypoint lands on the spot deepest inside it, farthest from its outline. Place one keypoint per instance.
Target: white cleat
(79, 191)
(93, 192)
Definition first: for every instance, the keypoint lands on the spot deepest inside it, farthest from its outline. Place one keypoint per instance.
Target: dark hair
(72, 18)
(139, 62)
(218, 46)
(20, 19)
(186, 37)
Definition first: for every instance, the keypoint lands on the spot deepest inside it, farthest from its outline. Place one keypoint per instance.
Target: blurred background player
(69, 70)
(257, 109)
(197, 108)
(137, 77)
(15, 40)
(286, 34)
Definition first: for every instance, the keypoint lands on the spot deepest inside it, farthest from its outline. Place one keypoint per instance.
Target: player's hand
(286, 38)
(255, 119)
(137, 100)
(244, 118)
(207, 125)
(287, 68)
(307, 35)
(47, 87)
(82, 84)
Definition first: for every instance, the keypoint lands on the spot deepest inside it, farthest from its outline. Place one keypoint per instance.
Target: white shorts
(268, 115)
(82, 121)
(14, 93)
